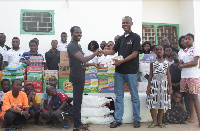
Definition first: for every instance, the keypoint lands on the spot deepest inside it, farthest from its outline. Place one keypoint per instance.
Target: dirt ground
(124, 127)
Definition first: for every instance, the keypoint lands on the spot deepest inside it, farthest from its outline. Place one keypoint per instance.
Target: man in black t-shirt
(128, 46)
(77, 63)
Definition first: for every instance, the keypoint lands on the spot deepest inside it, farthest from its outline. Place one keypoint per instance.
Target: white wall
(99, 20)
(186, 15)
(197, 22)
(160, 11)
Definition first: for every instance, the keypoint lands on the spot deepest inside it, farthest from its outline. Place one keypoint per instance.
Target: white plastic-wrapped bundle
(94, 101)
(100, 112)
(97, 120)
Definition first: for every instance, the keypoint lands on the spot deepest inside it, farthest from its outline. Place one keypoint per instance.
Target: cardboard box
(110, 76)
(64, 70)
(103, 70)
(34, 76)
(34, 68)
(91, 82)
(35, 83)
(103, 81)
(111, 69)
(38, 89)
(102, 76)
(105, 89)
(64, 57)
(111, 82)
(90, 76)
(65, 85)
(91, 69)
(90, 90)
(49, 73)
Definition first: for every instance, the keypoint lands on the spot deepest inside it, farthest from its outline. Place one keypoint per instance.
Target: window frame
(52, 32)
(161, 24)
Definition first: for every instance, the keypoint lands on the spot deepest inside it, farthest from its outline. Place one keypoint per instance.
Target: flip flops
(162, 126)
(152, 125)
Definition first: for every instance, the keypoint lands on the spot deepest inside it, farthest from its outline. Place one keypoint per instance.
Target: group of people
(173, 76)
(17, 106)
(15, 54)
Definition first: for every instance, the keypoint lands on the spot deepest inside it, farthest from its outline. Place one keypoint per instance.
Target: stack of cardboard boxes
(106, 79)
(64, 71)
(91, 80)
(34, 76)
(47, 74)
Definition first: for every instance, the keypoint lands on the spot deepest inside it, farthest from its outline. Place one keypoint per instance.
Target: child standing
(168, 51)
(177, 114)
(175, 73)
(159, 88)
(146, 47)
(58, 107)
(15, 109)
(34, 102)
(190, 76)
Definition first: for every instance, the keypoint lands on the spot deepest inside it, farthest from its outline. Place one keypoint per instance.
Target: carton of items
(64, 70)
(65, 85)
(63, 57)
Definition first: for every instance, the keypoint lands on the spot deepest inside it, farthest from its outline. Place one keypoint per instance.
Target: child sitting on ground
(5, 85)
(58, 108)
(177, 114)
(15, 109)
(52, 82)
(34, 102)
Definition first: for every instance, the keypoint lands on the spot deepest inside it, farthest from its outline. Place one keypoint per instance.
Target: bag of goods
(94, 101)
(100, 112)
(97, 120)
(16, 66)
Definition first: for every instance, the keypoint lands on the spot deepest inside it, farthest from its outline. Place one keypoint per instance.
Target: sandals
(39, 123)
(81, 128)
(162, 126)
(152, 125)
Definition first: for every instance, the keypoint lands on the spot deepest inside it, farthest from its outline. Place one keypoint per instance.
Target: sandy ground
(124, 127)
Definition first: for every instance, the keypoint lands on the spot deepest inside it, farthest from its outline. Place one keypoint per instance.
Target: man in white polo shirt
(3, 48)
(13, 55)
(62, 46)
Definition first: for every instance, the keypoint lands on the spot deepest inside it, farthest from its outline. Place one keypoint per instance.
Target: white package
(101, 112)
(94, 101)
(97, 120)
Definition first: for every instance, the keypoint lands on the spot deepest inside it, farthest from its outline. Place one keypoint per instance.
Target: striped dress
(159, 97)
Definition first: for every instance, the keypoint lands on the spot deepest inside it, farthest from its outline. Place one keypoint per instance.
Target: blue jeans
(120, 81)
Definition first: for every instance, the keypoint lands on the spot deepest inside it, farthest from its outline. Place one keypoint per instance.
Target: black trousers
(16, 118)
(77, 101)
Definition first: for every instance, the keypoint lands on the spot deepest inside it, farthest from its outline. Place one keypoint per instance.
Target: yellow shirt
(37, 99)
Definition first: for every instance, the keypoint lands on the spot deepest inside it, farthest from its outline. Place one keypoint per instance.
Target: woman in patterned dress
(159, 88)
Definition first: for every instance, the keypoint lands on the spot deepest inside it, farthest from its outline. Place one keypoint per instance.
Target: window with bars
(37, 22)
(154, 32)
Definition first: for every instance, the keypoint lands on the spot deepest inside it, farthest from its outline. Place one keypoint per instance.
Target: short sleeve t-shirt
(77, 68)
(125, 46)
(19, 103)
(37, 99)
(188, 56)
(55, 103)
(46, 97)
(13, 56)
